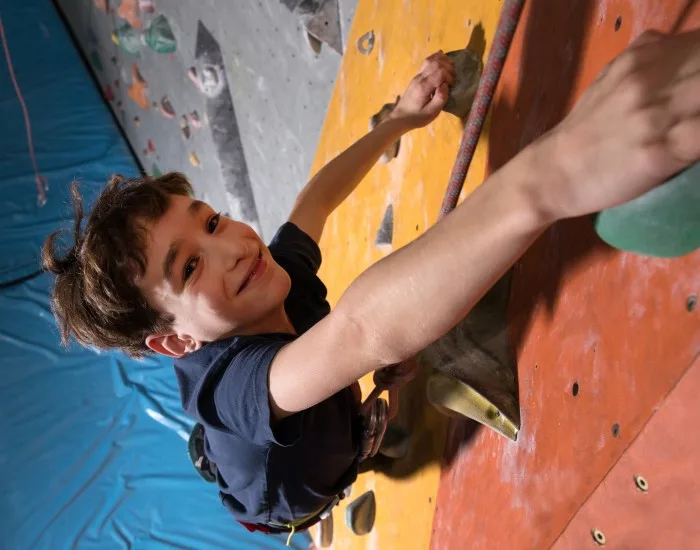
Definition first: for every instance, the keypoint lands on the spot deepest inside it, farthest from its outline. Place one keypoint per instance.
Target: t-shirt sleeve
(292, 244)
(242, 397)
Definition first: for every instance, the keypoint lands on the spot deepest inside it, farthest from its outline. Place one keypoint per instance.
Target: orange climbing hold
(138, 91)
(129, 10)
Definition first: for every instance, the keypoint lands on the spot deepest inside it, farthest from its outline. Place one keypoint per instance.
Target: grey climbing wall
(258, 129)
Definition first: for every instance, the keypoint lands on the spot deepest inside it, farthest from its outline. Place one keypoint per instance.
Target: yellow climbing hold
(194, 160)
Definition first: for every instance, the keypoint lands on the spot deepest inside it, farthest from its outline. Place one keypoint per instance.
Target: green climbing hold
(159, 36)
(127, 38)
(96, 61)
(665, 222)
(155, 171)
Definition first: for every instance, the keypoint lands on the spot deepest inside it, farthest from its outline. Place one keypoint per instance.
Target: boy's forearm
(413, 297)
(335, 181)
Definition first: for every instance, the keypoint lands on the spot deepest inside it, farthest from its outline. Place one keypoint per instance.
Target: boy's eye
(213, 222)
(190, 266)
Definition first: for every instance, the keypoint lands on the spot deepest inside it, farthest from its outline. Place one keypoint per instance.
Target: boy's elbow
(368, 345)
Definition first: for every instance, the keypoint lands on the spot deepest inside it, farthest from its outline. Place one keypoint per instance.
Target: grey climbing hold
(321, 19)
(366, 43)
(360, 514)
(381, 115)
(385, 235)
(468, 68)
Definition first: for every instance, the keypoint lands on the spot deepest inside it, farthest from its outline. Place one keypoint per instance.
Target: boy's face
(212, 275)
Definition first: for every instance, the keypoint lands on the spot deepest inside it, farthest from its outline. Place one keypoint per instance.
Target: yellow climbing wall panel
(414, 183)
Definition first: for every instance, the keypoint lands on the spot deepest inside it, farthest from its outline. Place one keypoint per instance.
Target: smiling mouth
(252, 273)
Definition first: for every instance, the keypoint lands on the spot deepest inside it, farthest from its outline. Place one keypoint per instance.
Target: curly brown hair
(95, 298)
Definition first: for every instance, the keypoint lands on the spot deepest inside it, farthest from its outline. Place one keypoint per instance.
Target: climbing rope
(41, 182)
(376, 411)
(507, 23)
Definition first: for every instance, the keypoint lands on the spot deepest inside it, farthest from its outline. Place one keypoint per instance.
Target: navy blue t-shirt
(288, 470)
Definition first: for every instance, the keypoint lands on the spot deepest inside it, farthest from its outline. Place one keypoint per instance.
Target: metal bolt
(691, 302)
(641, 483)
(598, 537)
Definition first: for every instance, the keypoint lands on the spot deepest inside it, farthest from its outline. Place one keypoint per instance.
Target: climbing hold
(194, 160)
(211, 80)
(468, 68)
(385, 235)
(457, 398)
(194, 77)
(151, 146)
(366, 43)
(360, 514)
(155, 171)
(137, 121)
(127, 38)
(129, 10)
(324, 532)
(184, 127)
(314, 43)
(166, 108)
(665, 222)
(194, 120)
(376, 120)
(109, 94)
(147, 6)
(138, 91)
(95, 60)
(159, 36)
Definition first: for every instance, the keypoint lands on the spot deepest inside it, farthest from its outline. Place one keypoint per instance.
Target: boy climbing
(262, 362)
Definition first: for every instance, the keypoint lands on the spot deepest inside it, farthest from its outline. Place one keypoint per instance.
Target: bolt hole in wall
(598, 536)
(616, 430)
(574, 389)
(691, 302)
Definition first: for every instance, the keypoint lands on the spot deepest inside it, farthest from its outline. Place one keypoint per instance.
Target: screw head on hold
(691, 302)
(641, 484)
(598, 537)
(615, 430)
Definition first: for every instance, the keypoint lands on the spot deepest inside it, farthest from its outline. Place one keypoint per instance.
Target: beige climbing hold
(137, 121)
(454, 397)
(194, 160)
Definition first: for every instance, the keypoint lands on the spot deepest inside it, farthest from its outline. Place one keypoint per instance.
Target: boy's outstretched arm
(636, 126)
(419, 105)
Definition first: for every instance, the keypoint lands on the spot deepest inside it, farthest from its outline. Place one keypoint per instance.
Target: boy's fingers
(440, 97)
(647, 37)
(685, 97)
(684, 140)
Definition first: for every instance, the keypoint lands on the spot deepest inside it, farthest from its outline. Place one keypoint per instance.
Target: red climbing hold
(109, 93)
(151, 147)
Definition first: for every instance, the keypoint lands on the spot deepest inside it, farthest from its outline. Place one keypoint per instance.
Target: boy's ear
(172, 344)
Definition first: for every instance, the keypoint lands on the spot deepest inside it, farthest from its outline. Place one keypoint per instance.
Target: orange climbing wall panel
(613, 323)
